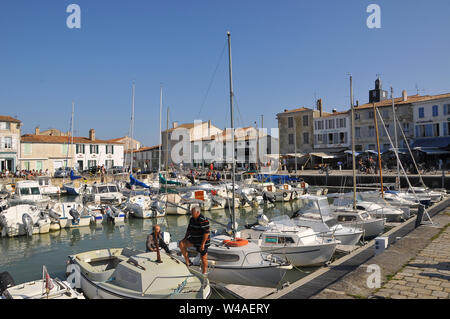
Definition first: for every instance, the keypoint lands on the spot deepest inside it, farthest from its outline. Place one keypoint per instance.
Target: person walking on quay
(156, 241)
(197, 235)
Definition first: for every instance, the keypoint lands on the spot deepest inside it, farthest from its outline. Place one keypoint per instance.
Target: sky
(285, 54)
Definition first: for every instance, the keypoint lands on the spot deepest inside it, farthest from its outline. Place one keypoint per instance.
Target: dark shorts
(198, 247)
(202, 252)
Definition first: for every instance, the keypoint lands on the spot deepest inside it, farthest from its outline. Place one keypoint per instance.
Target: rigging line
(212, 79)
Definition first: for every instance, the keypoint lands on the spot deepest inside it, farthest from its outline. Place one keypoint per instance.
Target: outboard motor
(75, 214)
(268, 198)
(28, 224)
(3, 222)
(157, 208)
(53, 214)
(6, 281)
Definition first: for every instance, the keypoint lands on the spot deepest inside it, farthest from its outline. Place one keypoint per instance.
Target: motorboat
(376, 210)
(175, 204)
(28, 192)
(241, 264)
(300, 245)
(46, 288)
(102, 213)
(141, 206)
(71, 214)
(71, 189)
(314, 212)
(46, 186)
(105, 193)
(371, 226)
(121, 273)
(23, 219)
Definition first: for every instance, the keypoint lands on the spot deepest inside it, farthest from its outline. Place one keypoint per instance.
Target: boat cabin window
(285, 240)
(24, 191)
(360, 208)
(222, 257)
(35, 191)
(364, 215)
(113, 189)
(344, 218)
(102, 189)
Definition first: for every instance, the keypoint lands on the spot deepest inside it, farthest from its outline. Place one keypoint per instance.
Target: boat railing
(159, 278)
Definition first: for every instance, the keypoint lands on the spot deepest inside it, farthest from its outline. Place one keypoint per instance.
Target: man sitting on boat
(197, 235)
(155, 239)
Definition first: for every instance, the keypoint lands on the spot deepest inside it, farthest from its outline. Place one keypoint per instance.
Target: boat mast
(160, 112)
(353, 142)
(397, 182)
(132, 129)
(232, 135)
(378, 146)
(167, 147)
(73, 155)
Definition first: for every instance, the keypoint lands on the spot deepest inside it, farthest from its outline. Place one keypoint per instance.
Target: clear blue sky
(284, 54)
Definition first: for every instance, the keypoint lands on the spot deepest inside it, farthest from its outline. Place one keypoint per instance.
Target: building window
(385, 114)
(371, 131)
(64, 148)
(27, 149)
(342, 138)
(406, 128)
(93, 149)
(370, 114)
(436, 130)
(371, 147)
(92, 163)
(80, 149)
(305, 120)
(195, 148)
(421, 112)
(357, 116)
(320, 125)
(330, 138)
(38, 165)
(306, 138)
(357, 132)
(435, 110)
(109, 163)
(331, 123)
(7, 142)
(446, 109)
(109, 149)
(5, 126)
(291, 139)
(290, 122)
(358, 148)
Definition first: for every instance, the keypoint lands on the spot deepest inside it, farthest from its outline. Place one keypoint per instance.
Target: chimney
(36, 131)
(319, 106)
(174, 124)
(92, 134)
(404, 96)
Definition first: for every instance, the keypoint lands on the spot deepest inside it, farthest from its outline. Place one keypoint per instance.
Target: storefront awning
(434, 151)
(322, 155)
(436, 142)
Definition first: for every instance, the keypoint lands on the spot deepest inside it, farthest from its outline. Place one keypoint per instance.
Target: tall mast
(132, 129)
(160, 133)
(167, 147)
(397, 182)
(378, 146)
(353, 142)
(232, 134)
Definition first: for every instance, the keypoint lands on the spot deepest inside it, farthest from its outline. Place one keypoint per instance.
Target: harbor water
(23, 257)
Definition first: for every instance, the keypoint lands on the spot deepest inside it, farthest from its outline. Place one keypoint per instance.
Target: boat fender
(238, 242)
(6, 281)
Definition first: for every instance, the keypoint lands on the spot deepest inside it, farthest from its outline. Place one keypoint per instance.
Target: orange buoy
(238, 242)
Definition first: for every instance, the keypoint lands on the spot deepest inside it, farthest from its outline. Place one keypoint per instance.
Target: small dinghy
(46, 288)
(121, 273)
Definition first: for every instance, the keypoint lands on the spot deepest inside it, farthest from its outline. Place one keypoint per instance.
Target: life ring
(238, 242)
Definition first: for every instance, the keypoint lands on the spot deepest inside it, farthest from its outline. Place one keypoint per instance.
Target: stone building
(9, 143)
